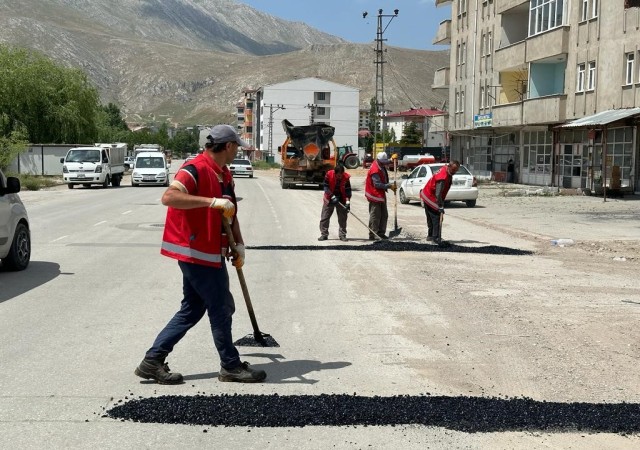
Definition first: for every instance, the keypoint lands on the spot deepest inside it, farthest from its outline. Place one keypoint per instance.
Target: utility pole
(379, 62)
(272, 108)
(312, 112)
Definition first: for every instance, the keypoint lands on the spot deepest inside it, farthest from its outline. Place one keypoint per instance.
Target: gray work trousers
(433, 223)
(378, 216)
(325, 218)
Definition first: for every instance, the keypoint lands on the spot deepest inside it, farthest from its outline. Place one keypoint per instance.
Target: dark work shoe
(343, 238)
(383, 236)
(158, 370)
(242, 374)
(429, 238)
(323, 238)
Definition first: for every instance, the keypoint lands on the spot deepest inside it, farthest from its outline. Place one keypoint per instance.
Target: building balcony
(547, 45)
(505, 5)
(510, 58)
(548, 109)
(507, 115)
(441, 78)
(442, 2)
(443, 36)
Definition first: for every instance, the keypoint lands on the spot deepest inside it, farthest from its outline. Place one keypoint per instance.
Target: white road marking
(60, 238)
(99, 223)
(127, 212)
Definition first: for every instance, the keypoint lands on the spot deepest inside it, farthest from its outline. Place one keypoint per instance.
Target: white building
(301, 102)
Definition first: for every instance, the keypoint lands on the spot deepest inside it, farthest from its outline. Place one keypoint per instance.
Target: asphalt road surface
(500, 314)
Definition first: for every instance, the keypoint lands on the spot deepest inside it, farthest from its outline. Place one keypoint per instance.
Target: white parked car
(464, 186)
(150, 168)
(241, 166)
(15, 235)
(128, 162)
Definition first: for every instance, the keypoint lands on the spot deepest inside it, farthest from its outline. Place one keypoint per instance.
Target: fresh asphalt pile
(468, 414)
(250, 341)
(402, 246)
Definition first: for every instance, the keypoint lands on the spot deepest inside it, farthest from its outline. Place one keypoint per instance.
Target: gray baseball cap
(220, 134)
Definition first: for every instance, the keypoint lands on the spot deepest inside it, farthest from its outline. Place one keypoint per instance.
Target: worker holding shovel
(433, 195)
(375, 191)
(201, 194)
(337, 191)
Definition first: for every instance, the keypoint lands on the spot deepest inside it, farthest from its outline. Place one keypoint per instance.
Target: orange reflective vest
(370, 192)
(428, 193)
(196, 235)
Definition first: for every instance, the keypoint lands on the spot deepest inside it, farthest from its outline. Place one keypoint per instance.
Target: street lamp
(272, 109)
(379, 104)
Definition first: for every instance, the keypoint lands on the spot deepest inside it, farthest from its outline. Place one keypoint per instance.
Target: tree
(185, 141)
(53, 104)
(411, 134)
(11, 145)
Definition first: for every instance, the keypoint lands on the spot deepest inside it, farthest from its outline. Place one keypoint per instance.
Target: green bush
(33, 182)
(263, 165)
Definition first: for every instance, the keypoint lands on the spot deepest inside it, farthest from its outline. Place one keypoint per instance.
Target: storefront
(599, 151)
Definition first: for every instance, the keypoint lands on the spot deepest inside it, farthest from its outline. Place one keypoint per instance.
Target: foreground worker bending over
(337, 192)
(433, 194)
(201, 193)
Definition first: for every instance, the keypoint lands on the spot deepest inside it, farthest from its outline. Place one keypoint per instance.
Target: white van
(150, 168)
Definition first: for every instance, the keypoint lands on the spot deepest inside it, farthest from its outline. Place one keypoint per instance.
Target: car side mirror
(168, 165)
(404, 177)
(13, 186)
(62, 160)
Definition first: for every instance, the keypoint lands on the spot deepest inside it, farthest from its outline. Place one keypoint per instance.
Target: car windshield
(241, 162)
(83, 156)
(461, 171)
(150, 162)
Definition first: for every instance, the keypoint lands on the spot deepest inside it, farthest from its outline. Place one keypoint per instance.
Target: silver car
(464, 187)
(241, 166)
(15, 235)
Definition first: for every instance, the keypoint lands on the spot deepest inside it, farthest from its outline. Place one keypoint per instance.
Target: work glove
(333, 200)
(238, 256)
(441, 210)
(226, 206)
(392, 186)
(347, 205)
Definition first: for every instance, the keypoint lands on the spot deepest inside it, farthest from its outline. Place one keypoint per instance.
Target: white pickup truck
(101, 164)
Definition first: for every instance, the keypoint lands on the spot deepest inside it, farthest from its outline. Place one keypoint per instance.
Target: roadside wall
(41, 159)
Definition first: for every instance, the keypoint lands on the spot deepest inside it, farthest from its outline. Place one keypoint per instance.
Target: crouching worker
(201, 194)
(433, 195)
(337, 192)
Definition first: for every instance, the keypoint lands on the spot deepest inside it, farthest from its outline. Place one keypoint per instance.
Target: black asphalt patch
(250, 341)
(402, 246)
(468, 414)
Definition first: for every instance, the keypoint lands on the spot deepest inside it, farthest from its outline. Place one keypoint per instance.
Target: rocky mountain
(188, 60)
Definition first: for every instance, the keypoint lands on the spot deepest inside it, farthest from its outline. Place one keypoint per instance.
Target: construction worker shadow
(283, 372)
(402, 246)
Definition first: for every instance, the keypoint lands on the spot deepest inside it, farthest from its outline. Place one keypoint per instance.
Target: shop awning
(602, 118)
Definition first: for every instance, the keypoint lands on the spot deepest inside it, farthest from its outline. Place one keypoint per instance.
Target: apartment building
(553, 85)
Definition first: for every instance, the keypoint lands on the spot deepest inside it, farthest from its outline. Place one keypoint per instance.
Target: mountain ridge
(171, 66)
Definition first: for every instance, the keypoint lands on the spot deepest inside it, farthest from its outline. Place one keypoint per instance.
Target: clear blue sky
(415, 27)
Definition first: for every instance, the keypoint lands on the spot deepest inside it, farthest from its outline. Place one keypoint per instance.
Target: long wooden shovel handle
(243, 283)
(349, 211)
